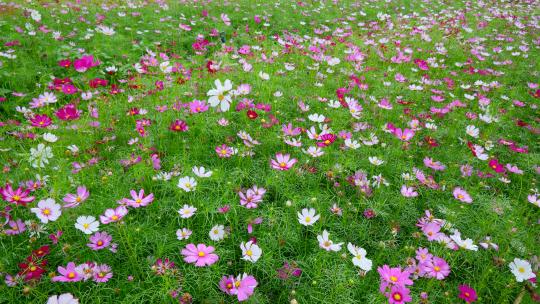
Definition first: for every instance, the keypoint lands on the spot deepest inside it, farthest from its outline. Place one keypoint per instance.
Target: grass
(499, 210)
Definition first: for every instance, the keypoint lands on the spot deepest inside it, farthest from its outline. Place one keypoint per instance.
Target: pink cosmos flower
(102, 273)
(436, 268)
(69, 89)
(435, 165)
(41, 121)
(432, 231)
(283, 162)
(224, 151)
(408, 191)
(197, 106)
(403, 135)
(252, 197)
(462, 195)
(201, 255)
(423, 255)
(467, 293)
(227, 285)
(16, 227)
(138, 200)
(245, 286)
(399, 295)
(99, 240)
(68, 274)
(113, 215)
(289, 130)
(394, 276)
(18, 197)
(74, 200)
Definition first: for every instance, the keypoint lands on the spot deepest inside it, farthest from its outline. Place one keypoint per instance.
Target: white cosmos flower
(472, 131)
(250, 251)
(359, 257)
(165, 67)
(351, 144)
(40, 156)
(65, 298)
(183, 234)
(87, 224)
(316, 117)
(50, 137)
(374, 160)
(105, 30)
(201, 172)
(47, 210)
(465, 244)
(333, 61)
(219, 96)
(314, 151)
(264, 76)
(217, 233)
(187, 211)
(327, 244)
(73, 148)
(308, 217)
(187, 183)
(522, 270)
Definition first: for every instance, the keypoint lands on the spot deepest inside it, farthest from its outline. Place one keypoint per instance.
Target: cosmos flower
(68, 274)
(522, 270)
(327, 244)
(308, 217)
(219, 96)
(467, 293)
(187, 183)
(283, 162)
(200, 255)
(74, 200)
(462, 195)
(250, 251)
(359, 257)
(87, 224)
(47, 210)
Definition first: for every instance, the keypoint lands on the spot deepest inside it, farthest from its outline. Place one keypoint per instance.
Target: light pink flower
(201, 255)
(283, 162)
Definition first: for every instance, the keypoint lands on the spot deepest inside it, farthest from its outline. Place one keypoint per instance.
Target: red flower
(178, 126)
(252, 114)
(66, 63)
(41, 251)
(32, 269)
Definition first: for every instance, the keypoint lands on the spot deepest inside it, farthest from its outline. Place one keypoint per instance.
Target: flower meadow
(269, 151)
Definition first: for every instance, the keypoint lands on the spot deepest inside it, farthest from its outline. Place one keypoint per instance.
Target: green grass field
(411, 128)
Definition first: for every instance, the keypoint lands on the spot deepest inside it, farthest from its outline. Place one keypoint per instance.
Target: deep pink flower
(41, 121)
(68, 112)
(178, 126)
(399, 295)
(467, 293)
(496, 166)
(69, 89)
(68, 274)
(201, 255)
(84, 63)
(326, 140)
(18, 197)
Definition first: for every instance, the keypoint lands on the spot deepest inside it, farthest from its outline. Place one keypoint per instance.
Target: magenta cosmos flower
(399, 294)
(467, 293)
(41, 121)
(73, 200)
(201, 255)
(68, 274)
(19, 196)
(68, 112)
(283, 162)
(99, 240)
(178, 126)
(138, 199)
(113, 215)
(462, 195)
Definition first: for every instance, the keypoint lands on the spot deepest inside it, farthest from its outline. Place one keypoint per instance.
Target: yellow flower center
(201, 254)
(308, 219)
(282, 164)
(46, 211)
(521, 269)
(78, 199)
(71, 275)
(99, 243)
(16, 198)
(86, 225)
(393, 278)
(114, 217)
(437, 268)
(249, 253)
(397, 297)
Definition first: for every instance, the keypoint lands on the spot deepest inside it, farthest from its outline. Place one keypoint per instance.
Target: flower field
(269, 151)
